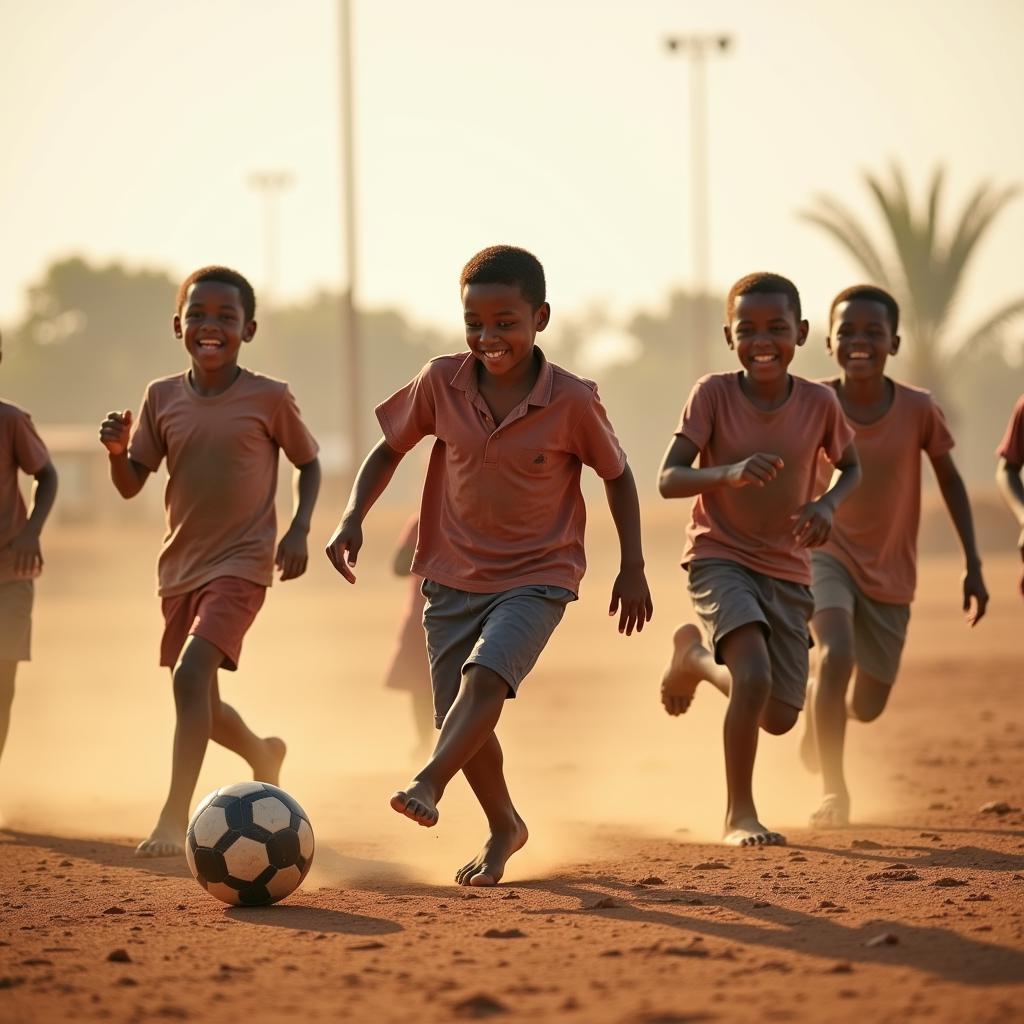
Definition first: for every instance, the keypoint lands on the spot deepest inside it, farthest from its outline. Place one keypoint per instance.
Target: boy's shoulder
(915, 397)
(11, 413)
(815, 390)
(567, 386)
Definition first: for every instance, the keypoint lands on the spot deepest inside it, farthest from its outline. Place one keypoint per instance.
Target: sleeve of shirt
(29, 451)
(410, 413)
(146, 444)
(838, 433)
(698, 416)
(1011, 447)
(936, 439)
(594, 441)
(291, 434)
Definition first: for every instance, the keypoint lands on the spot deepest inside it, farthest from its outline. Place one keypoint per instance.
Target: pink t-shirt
(221, 456)
(20, 448)
(1011, 447)
(874, 532)
(501, 505)
(754, 525)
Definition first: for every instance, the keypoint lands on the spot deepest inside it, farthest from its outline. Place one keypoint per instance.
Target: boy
(758, 433)
(865, 573)
(1011, 458)
(20, 557)
(500, 541)
(220, 427)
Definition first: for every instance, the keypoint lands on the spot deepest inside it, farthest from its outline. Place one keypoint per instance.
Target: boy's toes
(158, 848)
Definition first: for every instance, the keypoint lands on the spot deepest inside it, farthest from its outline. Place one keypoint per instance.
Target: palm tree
(926, 268)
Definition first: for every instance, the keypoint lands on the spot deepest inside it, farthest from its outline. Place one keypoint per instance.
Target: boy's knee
(751, 686)
(190, 684)
(484, 683)
(8, 670)
(837, 662)
(779, 718)
(868, 703)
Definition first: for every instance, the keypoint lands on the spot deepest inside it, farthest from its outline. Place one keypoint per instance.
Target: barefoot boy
(501, 527)
(865, 573)
(758, 433)
(21, 560)
(1011, 458)
(220, 428)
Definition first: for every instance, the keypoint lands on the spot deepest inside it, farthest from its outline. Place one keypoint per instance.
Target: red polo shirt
(501, 505)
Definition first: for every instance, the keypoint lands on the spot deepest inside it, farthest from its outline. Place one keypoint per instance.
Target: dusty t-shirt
(221, 456)
(754, 525)
(501, 504)
(1011, 447)
(874, 532)
(20, 448)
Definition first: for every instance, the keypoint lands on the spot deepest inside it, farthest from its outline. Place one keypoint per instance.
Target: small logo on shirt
(540, 458)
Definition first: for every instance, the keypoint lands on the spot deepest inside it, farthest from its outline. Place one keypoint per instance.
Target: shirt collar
(465, 379)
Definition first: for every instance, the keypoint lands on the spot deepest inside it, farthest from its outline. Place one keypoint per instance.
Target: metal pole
(351, 361)
(270, 185)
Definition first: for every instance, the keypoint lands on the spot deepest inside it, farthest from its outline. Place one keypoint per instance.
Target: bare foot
(682, 675)
(417, 802)
(750, 832)
(487, 867)
(267, 766)
(834, 812)
(165, 841)
(809, 740)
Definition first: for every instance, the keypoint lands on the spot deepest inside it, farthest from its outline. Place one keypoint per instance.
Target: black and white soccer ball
(250, 844)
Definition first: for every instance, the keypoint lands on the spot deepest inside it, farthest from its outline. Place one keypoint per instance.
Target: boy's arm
(814, 520)
(28, 556)
(630, 591)
(678, 479)
(292, 552)
(1012, 488)
(127, 474)
(954, 494)
(374, 475)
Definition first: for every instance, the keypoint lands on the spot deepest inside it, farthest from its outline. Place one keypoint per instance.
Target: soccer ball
(249, 844)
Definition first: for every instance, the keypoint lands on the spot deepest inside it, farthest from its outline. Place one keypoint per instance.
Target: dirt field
(621, 909)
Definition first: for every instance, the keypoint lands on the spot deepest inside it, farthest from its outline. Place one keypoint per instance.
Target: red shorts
(220, 611)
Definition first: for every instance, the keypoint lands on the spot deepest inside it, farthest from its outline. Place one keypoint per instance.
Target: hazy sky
(129, 130)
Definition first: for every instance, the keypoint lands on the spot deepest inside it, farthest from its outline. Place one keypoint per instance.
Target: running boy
(758, 433)
(220, 428)
(500, 542)
(1011, 458)
(865, 573)
(20, 557)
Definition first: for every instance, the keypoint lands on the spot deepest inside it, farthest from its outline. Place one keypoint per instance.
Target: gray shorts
(504, 632)
(16, 620)
(879, 628)
(727, 595)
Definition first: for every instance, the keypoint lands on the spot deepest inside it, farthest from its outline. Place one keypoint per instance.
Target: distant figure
(865, 573)
(1008, 473)
(220, 428)
(410, 668)
(757, 433)
(21, 558)
(501, 527)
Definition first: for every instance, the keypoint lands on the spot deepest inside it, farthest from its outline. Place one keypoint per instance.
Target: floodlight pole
(270, 185)
(697, 47)
(351, 357)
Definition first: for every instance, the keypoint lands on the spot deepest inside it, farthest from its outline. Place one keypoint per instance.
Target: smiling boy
(500, 543)
(220, 428)
(757, 433)
(864, 575)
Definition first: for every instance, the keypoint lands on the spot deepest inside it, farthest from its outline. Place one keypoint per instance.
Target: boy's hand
(975, 590)
(343, 548)
(631, 598)
(114, 431)
(813, 524)
(292, 553)
(756, 471)
(28, 557)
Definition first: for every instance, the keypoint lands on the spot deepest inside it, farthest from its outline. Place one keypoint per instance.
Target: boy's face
(765, 333)
(861, 338)
(212, 322)
(501, 325)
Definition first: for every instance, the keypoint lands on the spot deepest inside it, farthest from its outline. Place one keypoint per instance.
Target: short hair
(763, 283)
(225, 275)
(872, 293)
(506, 264)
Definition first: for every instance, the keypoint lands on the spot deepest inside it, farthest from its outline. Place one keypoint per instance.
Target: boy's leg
(8, 670)
(423, 719)
(264, 754)
(193, 679)
(468, 724)
(691, 663)
(484, 773)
